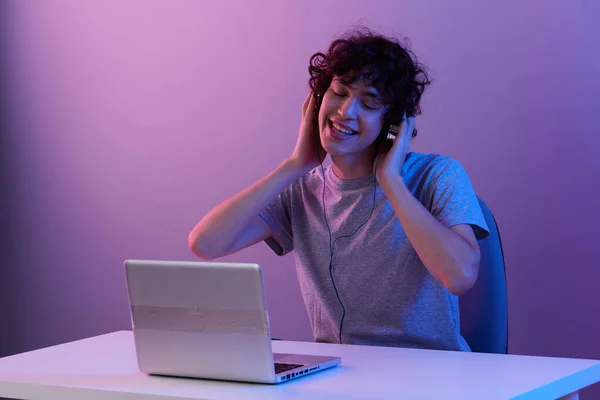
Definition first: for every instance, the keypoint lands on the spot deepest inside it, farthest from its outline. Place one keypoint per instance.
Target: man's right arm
(235, 223)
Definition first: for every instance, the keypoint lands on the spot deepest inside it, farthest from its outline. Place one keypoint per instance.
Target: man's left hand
(389, 164)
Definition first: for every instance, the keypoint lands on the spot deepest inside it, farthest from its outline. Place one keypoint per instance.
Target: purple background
(123, 122)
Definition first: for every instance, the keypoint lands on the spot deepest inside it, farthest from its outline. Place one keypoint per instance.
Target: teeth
(342, 130)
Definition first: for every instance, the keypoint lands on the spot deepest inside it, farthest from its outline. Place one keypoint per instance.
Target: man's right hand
(305, 154)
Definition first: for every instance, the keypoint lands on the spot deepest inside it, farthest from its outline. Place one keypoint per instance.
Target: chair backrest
(484, 309)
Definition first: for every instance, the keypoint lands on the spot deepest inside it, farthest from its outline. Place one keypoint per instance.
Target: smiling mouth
(339, 130)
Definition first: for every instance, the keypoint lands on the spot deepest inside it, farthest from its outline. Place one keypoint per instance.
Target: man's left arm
(448, 250)
(451, 255)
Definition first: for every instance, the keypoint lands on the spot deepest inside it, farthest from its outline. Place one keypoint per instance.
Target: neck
(353, 166)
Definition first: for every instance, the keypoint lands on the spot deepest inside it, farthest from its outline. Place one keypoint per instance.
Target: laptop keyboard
(281, 367)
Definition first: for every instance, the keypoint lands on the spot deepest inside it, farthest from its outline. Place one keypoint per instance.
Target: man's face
(350, 118)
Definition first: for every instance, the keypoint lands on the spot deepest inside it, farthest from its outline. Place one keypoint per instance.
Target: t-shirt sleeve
(452, 199)
(277, 216)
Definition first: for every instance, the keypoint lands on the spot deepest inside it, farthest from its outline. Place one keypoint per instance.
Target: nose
(348, 108)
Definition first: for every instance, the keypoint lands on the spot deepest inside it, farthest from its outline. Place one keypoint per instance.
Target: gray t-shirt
(390, 298)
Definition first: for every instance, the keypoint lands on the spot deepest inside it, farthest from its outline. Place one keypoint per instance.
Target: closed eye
(370, 103)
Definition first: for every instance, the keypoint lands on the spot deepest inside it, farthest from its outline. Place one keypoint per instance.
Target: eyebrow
(371, 92)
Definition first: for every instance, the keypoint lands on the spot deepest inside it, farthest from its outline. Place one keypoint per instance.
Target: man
(384, 239)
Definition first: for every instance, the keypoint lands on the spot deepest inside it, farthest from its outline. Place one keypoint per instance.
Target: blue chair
(484, 308)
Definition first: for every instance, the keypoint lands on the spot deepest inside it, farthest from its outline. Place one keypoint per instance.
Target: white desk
(104, 367)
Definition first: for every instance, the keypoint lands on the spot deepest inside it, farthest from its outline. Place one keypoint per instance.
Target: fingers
(311, 105)
(410, 126)
(405, 134)
(407, 127)
(307, 102)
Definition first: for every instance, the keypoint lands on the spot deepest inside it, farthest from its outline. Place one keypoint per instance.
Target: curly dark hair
(382, 62)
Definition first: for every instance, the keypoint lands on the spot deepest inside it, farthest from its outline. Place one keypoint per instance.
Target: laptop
(208, 320)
